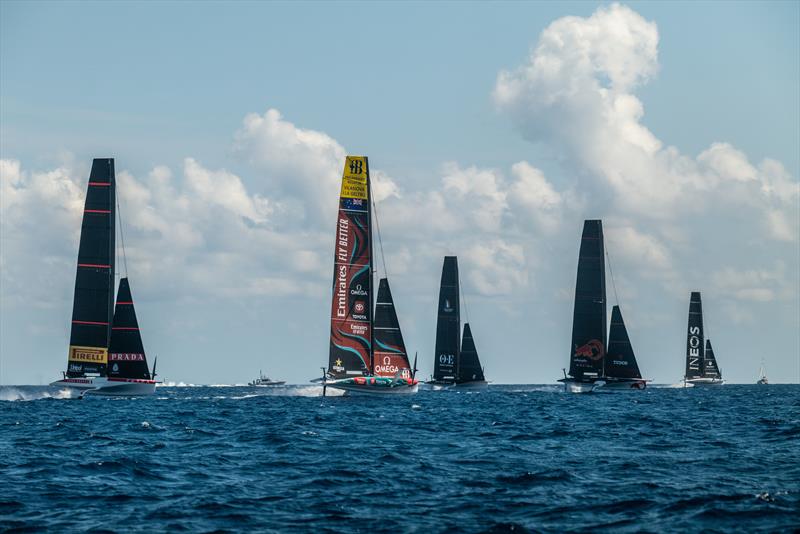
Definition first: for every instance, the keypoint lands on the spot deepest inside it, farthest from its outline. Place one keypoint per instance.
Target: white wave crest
(30, 393)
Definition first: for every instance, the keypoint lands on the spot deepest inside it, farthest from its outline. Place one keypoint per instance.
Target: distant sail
(351, 308)
(448, 323)
(710, 368)
(126, 358)
(589, 318)
(694, 338)
(469, 366)
(93, 304)
(620, 361)
(390, 354)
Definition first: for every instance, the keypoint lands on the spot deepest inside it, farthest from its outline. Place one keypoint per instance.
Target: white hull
(703, 382)
(120, 387)
(367, 390)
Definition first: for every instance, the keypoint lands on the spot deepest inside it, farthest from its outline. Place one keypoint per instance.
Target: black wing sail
(694, 337)
(126, 358)
(448, 323)
(390, 354)
(589, 318)
(93, 304)
(469, 366)
(710, 368)
(620, 361)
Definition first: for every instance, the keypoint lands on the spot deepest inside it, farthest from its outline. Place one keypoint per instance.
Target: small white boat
(265, 381)
(762, 376)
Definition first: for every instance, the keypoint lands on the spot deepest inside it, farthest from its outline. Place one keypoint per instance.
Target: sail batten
(448, 324)
(93, 301)
(589, 316)
(351, 308)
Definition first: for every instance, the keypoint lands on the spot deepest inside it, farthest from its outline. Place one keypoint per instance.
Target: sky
(493, 130)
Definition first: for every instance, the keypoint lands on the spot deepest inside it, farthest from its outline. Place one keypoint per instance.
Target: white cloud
(576, 94)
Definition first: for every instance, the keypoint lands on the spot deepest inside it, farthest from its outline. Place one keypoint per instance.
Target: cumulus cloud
(576, 94)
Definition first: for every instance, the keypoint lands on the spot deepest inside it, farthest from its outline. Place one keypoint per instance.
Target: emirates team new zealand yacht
(367, 354)
(593, 363)
(456, 363)
(106, 355)
(701, 365)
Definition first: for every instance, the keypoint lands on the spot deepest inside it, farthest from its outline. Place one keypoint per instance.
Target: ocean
(508, 459)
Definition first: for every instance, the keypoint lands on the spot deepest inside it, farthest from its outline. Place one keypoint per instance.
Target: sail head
(448, 323)
(589, 315)
(694, 337)
(126, 356)
(351, 308)
(620, 361)
(93, 302)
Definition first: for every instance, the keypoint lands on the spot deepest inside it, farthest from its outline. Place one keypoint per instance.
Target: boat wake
(31, 393)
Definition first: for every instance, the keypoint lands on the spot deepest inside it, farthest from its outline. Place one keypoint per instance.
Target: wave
(31, 393)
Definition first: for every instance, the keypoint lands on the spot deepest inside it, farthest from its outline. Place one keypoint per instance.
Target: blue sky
(503, 181)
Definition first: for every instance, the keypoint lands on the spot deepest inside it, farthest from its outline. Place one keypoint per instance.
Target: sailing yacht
(456, 363)
(701, 364)
(593, 363)
(106, 354)
(762, 375)
(367, 353)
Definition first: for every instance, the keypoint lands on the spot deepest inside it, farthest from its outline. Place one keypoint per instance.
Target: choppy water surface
(523, 457)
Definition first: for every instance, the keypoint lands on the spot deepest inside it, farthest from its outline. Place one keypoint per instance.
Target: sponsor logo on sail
(354, 179)
(125, 357)
(337, 365)
(359, 291)
(593, 350)
(447, 308)
(694, 348)
(115, 368)
(359, 307)
(88, 354)
(446, 359)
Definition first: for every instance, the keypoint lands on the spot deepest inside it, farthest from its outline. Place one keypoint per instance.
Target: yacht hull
(117, 387)
(703, 382)
(373, 386)
(624, 385)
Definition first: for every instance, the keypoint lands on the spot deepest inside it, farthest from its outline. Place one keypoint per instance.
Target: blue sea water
(512, 458)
